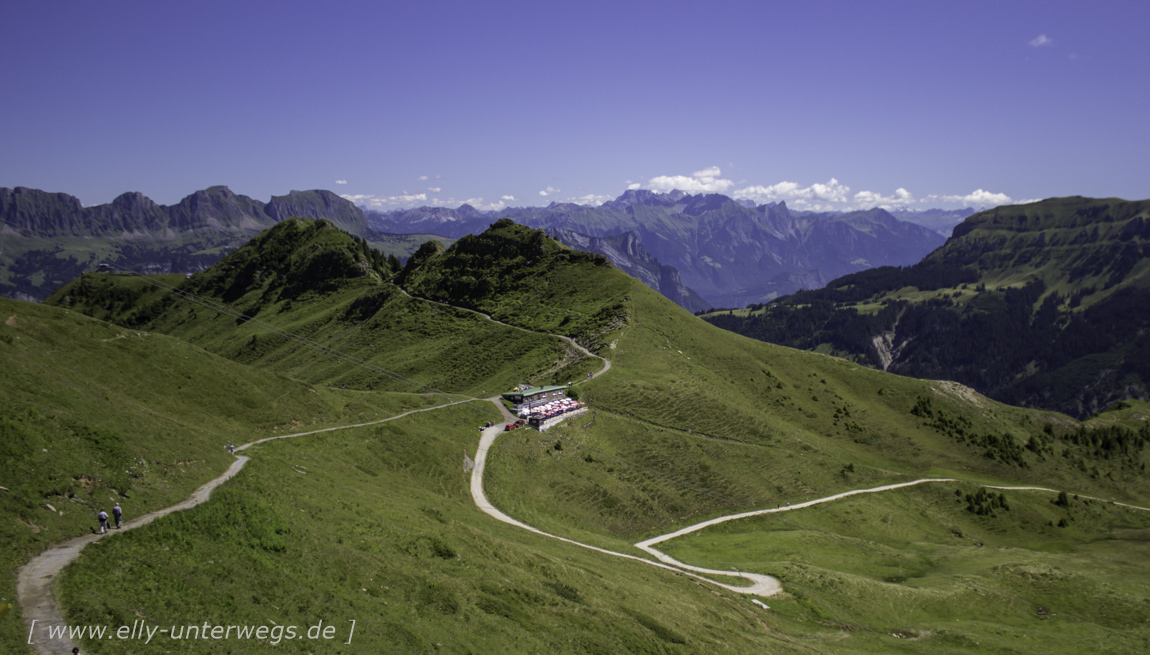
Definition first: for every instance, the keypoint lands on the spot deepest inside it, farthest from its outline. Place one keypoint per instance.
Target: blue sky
(828, 105)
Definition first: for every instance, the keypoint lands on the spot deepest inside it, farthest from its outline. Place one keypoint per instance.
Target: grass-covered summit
(523, 277)
(1040, 304)
(293, 257)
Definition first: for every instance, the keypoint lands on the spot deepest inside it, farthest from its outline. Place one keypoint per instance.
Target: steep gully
(34, 579)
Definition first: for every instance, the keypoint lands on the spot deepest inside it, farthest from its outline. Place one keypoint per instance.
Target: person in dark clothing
(117, 514)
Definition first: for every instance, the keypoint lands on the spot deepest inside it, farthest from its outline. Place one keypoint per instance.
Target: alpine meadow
(896, 514)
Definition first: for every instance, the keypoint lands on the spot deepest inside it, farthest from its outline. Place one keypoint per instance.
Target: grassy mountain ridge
(1037, 304)
(313, 280)
(1072, 244)
(690, 423)
(803, 417)
(523, 277)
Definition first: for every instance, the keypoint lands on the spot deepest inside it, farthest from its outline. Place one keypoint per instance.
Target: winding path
(606, 362)
(762, 585)
(34, 579)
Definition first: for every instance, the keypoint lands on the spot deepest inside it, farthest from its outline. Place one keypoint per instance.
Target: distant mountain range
(942, 221)
(1041, 304)
(50, 238)
(730, 253)
(47, 239)
(701, 251)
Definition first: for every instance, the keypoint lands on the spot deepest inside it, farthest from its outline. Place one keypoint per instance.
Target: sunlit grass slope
(693, 422)
(674, 370)
(1029, 576)
(92, 414)
(376, 525)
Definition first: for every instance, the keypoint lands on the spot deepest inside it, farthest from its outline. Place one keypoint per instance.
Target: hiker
(76, 650)
(103, 516)
(232, 448)
(118, 514)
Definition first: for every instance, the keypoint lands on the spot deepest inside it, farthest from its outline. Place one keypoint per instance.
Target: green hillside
(376, 524)
(1039, 304)
(523, 277)
(743, 424)
(92, 414)
(307, 278)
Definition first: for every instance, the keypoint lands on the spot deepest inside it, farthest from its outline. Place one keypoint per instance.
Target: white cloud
(980, 198)
(341, 181)
(434, 189)
(550, 190)
(507, 198)
(832, 191)
(632, 187)
(1041, 40)
(704, 181)
(422, 178)
(868, 199)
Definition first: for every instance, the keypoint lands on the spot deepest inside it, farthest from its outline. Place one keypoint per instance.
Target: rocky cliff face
(628, 254)
(319, 204)
(33, 212)
(216, 209)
